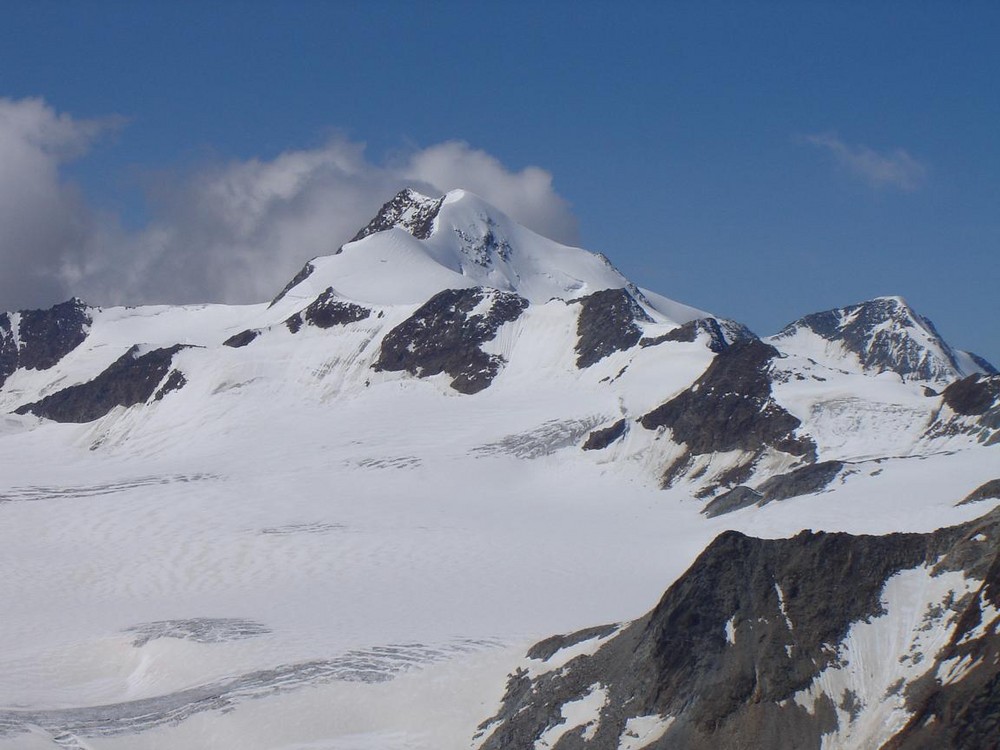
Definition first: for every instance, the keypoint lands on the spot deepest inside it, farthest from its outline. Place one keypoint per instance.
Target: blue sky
(759, 160)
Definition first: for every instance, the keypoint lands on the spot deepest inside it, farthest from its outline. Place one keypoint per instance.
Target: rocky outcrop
(38, 339)
(607, 324)
(602, 438)
(973, 396)
(886, 335)
(975, 409)
(8, 347)
(730, 408)
(690, 332)
(753, 648)
(718, 334)
(327, 311)
(242, 338)
(133, 378)
(408, 210)
(445, 335)
(305, 272)
(987, 491)
(957, 703)
(802, 481)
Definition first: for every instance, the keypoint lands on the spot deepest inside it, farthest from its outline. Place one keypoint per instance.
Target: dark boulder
(602, 438)
(242, 338)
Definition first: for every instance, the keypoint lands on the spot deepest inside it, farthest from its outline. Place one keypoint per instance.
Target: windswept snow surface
(392, 571)
(473, 244)
(295, 551)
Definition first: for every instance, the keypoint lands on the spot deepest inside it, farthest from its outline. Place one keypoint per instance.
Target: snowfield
(294, 551)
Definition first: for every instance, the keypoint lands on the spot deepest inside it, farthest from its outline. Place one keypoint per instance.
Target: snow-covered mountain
(453, 437)
(881, 335)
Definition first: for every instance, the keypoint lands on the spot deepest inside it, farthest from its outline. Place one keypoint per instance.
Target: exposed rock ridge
(801, 481)
(975, 410)
(723, 657)
(602, 438)
(730, 407)
(327, 311)
(607, 324)
(243, 338)
(131, 379)
(304, 273)
(719, 334)
(987, 491)
(445, 334)
(407, 210)
(38, 339)
(886, 335)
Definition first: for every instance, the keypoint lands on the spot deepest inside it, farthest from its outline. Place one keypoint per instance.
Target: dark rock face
(8, 348)
(302, 275)
(242, 338)
(327, 311)
(881, 333)
(976, 402)
(973, 395)
(962, 712)
(720, 334)
(445, 334)
(749, 625)
(730, 407)
(407, 210)
(737, 498)
(131, 379)
(802, 481)
(45, 336)
(49, 335)
(690, 332)
(988, 491)
(607, 324)
(602, 438)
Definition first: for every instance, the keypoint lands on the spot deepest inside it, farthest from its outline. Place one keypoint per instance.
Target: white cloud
(895, 168)
(526, 195)
(42, 217)
(230, 232)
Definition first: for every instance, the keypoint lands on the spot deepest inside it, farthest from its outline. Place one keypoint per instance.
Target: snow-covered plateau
(354, 517)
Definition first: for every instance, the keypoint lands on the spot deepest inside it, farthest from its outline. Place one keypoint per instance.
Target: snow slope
(300, 547)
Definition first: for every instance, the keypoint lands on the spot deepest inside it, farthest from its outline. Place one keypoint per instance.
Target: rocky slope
(452, 425)
(820, 640)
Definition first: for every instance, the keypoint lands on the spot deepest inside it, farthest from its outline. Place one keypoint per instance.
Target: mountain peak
(408, 210)
(455, 241)
(884, 334)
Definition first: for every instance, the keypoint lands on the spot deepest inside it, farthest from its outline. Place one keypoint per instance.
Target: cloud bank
(891, 169)
(226, 232)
